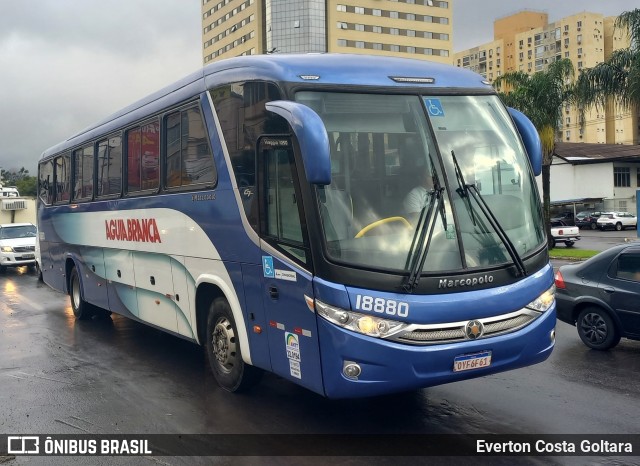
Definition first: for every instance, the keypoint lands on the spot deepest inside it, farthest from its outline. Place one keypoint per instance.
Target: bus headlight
(544, 301)
(366, 324)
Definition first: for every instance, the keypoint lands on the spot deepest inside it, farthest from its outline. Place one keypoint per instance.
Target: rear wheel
(552, 242)
(81, 309)
(568, 243)
(597, 329)
(223, 350)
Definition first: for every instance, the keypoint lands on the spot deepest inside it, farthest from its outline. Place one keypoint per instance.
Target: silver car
(17, 245)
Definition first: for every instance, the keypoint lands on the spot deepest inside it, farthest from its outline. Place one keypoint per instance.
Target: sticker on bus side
(293, 354)
(267, 267)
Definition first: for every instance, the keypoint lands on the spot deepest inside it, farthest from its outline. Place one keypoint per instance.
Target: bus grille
(455, 331)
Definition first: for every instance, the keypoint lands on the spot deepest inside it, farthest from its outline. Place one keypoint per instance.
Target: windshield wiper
(464, 190)
(422, 240)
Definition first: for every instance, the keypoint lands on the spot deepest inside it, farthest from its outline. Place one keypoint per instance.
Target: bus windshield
(389, 156)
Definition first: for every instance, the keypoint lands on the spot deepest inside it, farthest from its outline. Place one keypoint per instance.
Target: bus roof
(338, 69)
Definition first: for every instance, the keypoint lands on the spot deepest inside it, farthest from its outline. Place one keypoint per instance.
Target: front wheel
(618, 226)
(81, 309)
(594, 226)
(223, 350)
(597, 329)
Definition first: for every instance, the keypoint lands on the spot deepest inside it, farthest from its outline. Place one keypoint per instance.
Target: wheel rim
(618, 227)
(223, 344)
(594, 226)
(75, 292)
(594, 328)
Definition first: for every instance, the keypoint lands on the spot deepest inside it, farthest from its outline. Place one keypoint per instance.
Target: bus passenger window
(63, 178)
(189, 159)
(45, 182)
(143, 157)
(110, 166)
(83, 170)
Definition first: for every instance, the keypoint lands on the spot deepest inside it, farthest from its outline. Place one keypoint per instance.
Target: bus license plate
(466, 362)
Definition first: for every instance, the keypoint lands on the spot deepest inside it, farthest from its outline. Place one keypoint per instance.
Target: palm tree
(541, 96)
(618, 77)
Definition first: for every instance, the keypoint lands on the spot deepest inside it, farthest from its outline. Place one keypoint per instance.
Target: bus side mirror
(530, 138)
(312, 137)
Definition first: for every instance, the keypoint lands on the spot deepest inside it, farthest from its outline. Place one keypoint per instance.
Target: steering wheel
(380, 222)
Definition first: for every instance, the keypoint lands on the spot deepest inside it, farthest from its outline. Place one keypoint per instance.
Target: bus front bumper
(386, 367)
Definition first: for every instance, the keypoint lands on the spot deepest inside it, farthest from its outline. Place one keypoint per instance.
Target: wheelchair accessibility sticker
(434, 107)
(270, 272)
(267, 267)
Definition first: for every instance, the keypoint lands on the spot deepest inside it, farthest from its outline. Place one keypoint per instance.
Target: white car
(17, 245)
(561, 232)
(617, 220)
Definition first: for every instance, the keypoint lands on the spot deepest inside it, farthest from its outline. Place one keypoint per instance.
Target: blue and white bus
(265, 208)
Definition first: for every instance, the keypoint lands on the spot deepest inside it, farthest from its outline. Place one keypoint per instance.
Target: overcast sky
(65, 64)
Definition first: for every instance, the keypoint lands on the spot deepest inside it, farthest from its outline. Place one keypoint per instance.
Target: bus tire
(223, 350)
(81, 309)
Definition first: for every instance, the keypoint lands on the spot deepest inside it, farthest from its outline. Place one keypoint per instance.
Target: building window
(395, 48)
(359, 44)
(342, 25)
(342, 43)
(378, 46)
(394, 31)
(377, 12)
(411, 33)
(342, 8)
(411, 17)
(377, 29)
(411, 50)
(622, 177)
(359, 10)
(359, 27)
(393, 14)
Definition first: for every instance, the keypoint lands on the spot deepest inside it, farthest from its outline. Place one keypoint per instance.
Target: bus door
(291, 324)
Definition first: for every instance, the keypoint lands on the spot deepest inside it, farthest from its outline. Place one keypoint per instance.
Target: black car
(601, 296)
(588, 220)
(566, 217)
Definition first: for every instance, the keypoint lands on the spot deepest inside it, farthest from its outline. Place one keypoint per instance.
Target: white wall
(577, 181)
(27, 215)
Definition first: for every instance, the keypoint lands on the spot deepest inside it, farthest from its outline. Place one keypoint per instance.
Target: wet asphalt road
(60, 376)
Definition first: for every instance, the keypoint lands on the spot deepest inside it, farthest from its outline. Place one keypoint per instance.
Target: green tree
(11, 177)
(541, 96)
(617, 78)
(27, 186)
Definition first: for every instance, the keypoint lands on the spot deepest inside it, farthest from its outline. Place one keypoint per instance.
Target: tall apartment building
(410, 28)
(527, 42)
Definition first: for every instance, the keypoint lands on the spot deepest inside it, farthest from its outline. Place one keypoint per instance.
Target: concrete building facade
(419, 29)
(529, 43)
